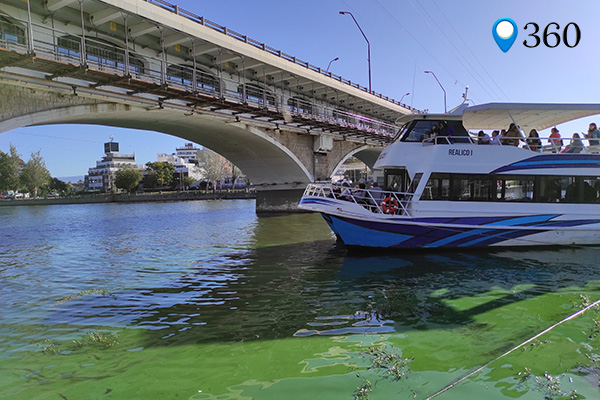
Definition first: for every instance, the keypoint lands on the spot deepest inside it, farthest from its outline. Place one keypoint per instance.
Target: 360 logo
(505, 33)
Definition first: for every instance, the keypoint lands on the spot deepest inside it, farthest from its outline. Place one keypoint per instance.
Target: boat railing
(581, 144)
(375, 200)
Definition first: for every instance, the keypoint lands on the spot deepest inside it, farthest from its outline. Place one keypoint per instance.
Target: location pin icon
(505, 33)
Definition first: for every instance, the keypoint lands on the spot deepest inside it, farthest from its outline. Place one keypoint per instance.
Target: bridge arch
(366, 154)
(269, 164)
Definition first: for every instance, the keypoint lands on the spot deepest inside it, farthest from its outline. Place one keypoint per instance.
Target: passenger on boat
(555, 140)
(434, 132)
(346, 194)
(513, 132)
(579, 191)
(359, 193)
(502, 136)
(495, 137)
(593, 133)
(483, 138)
(533, 141)
(575, 146)
(446, 133)
(376, 193)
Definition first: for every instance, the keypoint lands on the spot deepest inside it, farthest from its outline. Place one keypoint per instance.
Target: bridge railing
(223, 29)
(78, 51)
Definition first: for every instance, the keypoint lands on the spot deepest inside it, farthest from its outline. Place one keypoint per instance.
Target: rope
(470, 374)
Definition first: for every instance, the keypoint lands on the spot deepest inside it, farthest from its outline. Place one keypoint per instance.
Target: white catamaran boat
(443, 191)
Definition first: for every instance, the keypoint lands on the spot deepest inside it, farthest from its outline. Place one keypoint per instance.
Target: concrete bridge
(152, 66)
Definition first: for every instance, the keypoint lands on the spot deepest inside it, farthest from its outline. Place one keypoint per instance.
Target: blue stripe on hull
(400, 235)
(549, 161)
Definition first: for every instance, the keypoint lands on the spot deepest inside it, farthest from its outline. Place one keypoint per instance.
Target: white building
(186, 161)
(102, 176)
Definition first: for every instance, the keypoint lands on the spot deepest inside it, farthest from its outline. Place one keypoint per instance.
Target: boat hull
(431, 233)
(359, 228)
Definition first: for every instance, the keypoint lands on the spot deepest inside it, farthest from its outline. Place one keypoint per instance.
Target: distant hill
(72, 179)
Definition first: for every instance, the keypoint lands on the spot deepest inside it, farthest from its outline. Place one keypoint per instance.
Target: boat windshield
(420, 130)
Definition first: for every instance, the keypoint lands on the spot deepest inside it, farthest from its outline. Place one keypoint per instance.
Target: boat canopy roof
(527, 115)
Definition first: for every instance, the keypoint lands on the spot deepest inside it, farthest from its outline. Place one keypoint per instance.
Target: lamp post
(368, 44)
(335, 59)
(403, 96)
(444, 90)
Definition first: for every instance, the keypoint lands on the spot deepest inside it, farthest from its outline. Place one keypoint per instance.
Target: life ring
(389, 205)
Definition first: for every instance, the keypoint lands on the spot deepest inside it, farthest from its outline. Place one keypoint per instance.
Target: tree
(163, 172)
(10, 169)
(35, 175)
(61, 187)
(3, 170)
(188, 181)
(216, 167)
(128, 178)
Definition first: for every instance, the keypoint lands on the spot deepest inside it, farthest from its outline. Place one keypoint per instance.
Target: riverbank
(134, 198)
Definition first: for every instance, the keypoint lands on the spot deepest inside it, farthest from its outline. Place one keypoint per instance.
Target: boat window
(420, 130)
(516, 188)
(437, 188)
(396, 180)
(401, 132)
(415, 182)
(582, 190)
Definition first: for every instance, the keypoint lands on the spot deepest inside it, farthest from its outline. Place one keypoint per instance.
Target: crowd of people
(512, 137)
(372, 196)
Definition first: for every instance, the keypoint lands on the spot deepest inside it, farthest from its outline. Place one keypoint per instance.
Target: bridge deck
(174, 58)
(195, 101)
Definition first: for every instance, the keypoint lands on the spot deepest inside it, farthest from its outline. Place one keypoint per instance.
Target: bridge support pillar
(278, 200)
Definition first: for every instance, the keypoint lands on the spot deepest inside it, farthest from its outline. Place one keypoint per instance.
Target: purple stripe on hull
(415, 236)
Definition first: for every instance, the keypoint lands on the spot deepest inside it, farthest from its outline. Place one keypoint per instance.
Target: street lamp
(368, 44)
(335, 59)
(444, 90)
(403, 96)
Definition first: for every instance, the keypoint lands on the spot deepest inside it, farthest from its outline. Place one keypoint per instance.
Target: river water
(204, 300)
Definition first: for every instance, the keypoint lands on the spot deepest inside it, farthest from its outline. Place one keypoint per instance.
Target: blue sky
(451, 38)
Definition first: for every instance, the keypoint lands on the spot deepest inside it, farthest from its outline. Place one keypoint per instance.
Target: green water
(203, 300)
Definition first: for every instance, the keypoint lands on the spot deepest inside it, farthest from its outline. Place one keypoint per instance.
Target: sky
(407, 37)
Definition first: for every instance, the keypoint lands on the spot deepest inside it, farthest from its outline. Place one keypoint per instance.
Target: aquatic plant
(548, 385)
(95, 338)
(48, 347)
(362, 392)
(387, 363)
(82, 293)
(103, 340)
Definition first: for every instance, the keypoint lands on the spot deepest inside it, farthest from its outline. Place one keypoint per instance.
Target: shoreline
(133, 198)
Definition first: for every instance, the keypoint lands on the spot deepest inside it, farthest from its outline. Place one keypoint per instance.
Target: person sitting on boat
(495, 139)
(346, 194)
(593, 133)
(434, 130)
(513, 132)
(580, 191)
(359, 193)
(376, 193)
(483, 138)
(555, 140)
(533, 140)
(446, 132)
(575, 146)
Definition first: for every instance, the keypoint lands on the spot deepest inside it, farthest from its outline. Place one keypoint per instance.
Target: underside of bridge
(153, 66)
(278, 162)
